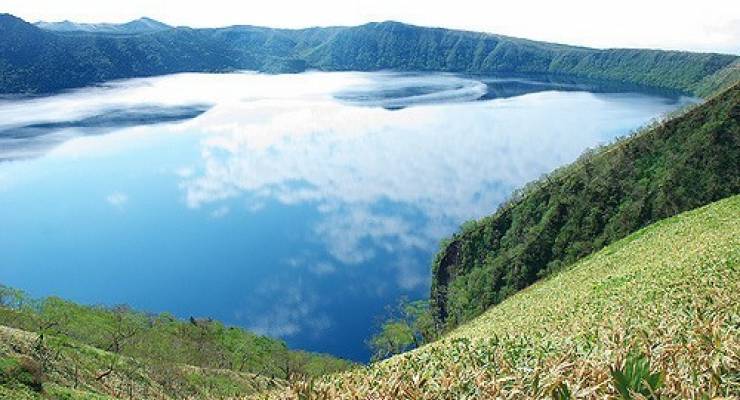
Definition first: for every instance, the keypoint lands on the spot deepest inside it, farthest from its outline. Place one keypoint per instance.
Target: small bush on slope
(667, 293)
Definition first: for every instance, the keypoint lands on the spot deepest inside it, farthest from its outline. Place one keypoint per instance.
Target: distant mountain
(139, 26)
(35, 60)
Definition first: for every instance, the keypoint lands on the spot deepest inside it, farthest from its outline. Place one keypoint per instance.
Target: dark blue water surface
(298, 206)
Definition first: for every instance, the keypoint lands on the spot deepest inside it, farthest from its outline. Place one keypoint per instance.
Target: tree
(408, 325)
(50, 316)
(12, 298)
(396, 336)
(125, 325)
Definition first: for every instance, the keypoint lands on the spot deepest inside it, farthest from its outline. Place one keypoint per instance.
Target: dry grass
(668, 293)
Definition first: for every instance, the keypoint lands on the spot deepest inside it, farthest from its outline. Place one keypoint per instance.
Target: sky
(709, 25)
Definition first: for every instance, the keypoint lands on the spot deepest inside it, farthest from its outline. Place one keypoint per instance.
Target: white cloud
(255, 206)
(184, 172)
(117, 200)
(411, 275)
(293, 309)
(307, 261)
(322, 268)
(220, 212)
(348, 233)
(677, 24)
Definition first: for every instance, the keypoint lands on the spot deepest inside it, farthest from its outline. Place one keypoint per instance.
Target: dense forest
(674, 166)
(35, 60)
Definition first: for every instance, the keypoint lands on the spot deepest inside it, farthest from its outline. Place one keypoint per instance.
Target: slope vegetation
(45, 60)
(68, 370)
(654, 315)
(52, 347)
(677, 165)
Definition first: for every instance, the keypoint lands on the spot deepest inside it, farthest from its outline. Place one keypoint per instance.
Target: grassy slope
(677, 165)
(667, 292)
(162, 339)
(155, 355)
(72, 367)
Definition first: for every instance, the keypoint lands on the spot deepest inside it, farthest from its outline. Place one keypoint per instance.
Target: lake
(298, 206)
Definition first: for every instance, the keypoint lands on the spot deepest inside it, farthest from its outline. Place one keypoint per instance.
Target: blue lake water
(298, 206)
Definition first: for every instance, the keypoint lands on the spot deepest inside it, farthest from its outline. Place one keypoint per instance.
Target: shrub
(24, 371)
(636, 378)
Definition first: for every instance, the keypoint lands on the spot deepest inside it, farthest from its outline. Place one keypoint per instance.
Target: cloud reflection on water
(396, 181)
(448, 163)
(306, 204)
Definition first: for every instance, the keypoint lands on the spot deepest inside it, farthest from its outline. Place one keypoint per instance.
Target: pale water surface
(298, 206)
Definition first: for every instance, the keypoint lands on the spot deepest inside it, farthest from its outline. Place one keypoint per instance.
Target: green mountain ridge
(33, 60)
(677, 165)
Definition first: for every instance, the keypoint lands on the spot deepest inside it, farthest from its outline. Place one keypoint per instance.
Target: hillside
(655, 313)
(398, 46)
(71, 374)
(677, 165)
(53, 348)
(35, 60)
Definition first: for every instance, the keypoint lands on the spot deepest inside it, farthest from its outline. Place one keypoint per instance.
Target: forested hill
(35, 60)
(678, 165)
(397, 46)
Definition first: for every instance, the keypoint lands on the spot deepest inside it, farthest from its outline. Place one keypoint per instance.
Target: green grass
(52, 392)
(656, 308)
(63, 393)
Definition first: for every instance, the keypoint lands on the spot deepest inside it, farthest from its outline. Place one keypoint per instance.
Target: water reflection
(296, 205)
(31, 126)
(448, 162)
(35, 138)
(395, 90)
